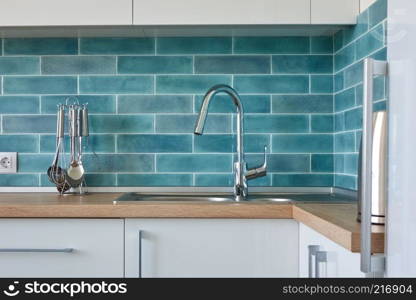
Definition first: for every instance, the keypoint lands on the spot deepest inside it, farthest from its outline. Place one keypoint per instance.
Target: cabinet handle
(321, 257)
(312, 249)
(34, 250)
(369, 263)
(140, 254)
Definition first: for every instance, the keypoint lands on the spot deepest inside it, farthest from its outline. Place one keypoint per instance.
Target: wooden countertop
(336, 221)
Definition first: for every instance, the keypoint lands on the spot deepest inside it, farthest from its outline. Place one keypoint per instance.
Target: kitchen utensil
(75, 171)
(54, 171)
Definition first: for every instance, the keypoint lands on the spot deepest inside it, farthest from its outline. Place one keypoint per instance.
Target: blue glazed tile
(322, 84)
(339, 82)
(78, 65)
(379, 89)
(214, 180)
(19, 180)
(359, 94)
(199, 163)
(346, 182)
(155, 104)
(94, 143)
(302, 104)
(154, 179)
(29, 124)
(40, 85)
(276, 123)
(302, 143)
(351, 164)
(302, 64)
(339, 122)
(40, 46)
(322, 44)
(270, 45)
(377, 12)
(381, 54)
(232, 64)
(121, 123)
(223, 104)
(188, 84)
(116, 84)
(354, 119)
(19, 65)
(194, 45)
(19, 143)
(272, 84)
(353, 74)
(96, 103)
(147, 143)
(358, 135)
(322, 123)
(19, 104)
(380, 105)
(339, 163)
(214, 143)
(322, 163)
(155, 65)
(118, 162)
(302, 180)
(281, 162)
(338, 40)
(344, 57)
(34, 162)
(117, 45)
(254, 143)
(186, 123)
(345, 100)
(98, 180)
(354, 32)
(370, 42)
(344, 142)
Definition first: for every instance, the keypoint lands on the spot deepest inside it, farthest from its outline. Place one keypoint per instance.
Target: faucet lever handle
(259, 171)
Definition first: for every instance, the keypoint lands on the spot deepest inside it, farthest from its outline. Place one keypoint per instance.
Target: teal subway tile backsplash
(302, 64)
(232, 64)
(117, 46)
(194, 45)
(19, 104)
(19, 143)
(40, 46)
(40, 85)
(272, 45)
(301, 96)
(155, 65)
(19, 65)
(116, 84)
(63, 65)
(155, 104)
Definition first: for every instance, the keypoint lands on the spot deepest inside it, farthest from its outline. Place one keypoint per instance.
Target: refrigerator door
(401, 206)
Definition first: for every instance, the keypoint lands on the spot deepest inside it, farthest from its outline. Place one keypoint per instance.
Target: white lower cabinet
(61, 248)
(330, 260)
(211, 248)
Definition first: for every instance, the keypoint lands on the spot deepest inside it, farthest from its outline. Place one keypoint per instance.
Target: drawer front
(61, 248)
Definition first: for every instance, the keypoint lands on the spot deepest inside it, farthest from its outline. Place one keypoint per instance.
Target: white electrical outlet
(8, 162)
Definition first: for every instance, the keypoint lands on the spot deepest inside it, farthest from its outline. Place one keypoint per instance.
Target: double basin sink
(227, 197)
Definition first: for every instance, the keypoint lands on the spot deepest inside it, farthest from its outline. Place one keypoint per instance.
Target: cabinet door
(61, 248)
(334, 11)
(65, 12)
(211, 248)
(221, 12)
(339, 261)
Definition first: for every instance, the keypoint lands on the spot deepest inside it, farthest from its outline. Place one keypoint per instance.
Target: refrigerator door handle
(369, 262)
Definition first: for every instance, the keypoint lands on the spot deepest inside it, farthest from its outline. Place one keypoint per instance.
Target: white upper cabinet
(65, 12)
(221, 12)
(334, 11)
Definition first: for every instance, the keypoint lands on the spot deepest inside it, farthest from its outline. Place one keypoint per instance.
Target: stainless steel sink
(227, 197)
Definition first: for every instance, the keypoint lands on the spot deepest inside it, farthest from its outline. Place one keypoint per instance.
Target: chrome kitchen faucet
(241, 174)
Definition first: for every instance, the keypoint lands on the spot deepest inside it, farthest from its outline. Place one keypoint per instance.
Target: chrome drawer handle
(321, 257)
(36, 250)
(312, 249)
